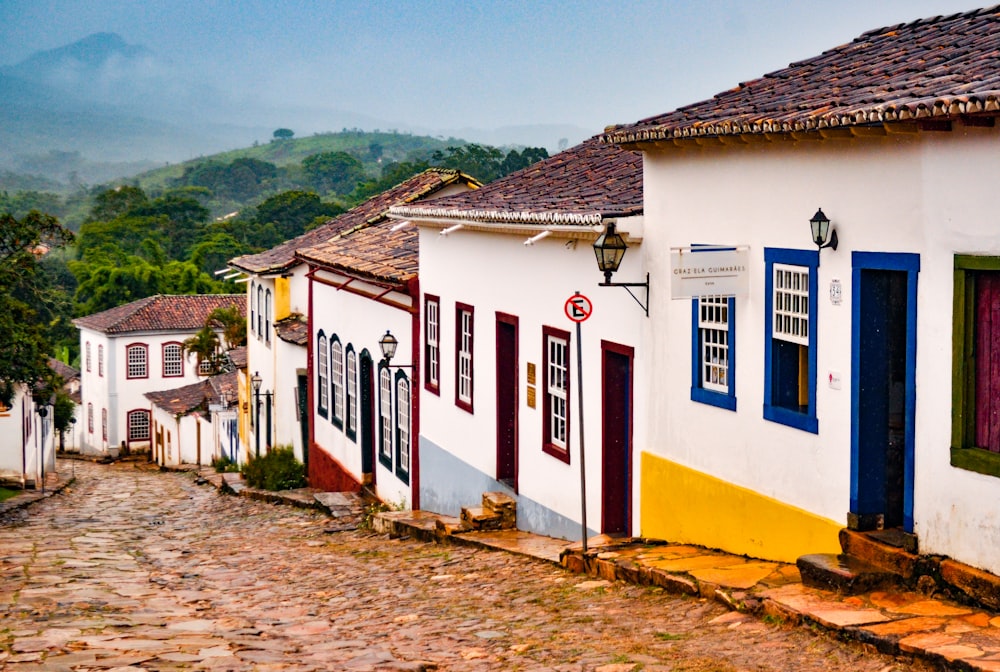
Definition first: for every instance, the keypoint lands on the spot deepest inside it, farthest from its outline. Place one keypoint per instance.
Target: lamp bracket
(628, 288)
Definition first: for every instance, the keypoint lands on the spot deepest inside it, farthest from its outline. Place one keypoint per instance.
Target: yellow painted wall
(687, 506)
(282, 299)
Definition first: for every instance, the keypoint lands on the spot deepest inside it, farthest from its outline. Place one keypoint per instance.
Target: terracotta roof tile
(162, 313)
(581, 185)
(293, 329)
(238, 356)
(932, 68)
(197, 396)
(387, 254)
(282, 257)
(65, 371)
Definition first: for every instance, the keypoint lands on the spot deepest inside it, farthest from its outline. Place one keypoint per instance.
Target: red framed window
(464, 331)
(90, 418)
(100, 361)
(87, 357)
(138, 425)
(137, 361)
(104, 424)
(555, 390)
(432, 343)
(173, 360)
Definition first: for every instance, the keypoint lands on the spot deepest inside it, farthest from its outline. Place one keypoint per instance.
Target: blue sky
(444, 64)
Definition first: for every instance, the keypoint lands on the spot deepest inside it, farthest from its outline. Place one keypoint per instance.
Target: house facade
(499, 385)
(857, 387)
(197, 423)
(27, 440)
(278, 313)
(133, 349)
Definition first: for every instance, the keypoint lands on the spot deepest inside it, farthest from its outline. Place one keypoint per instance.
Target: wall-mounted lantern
(823, 234)
(610, 249)
(388, 344)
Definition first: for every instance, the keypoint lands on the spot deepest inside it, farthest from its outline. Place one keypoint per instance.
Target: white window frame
(137, 421)
(464, 351)
(100, 360)
(134, 363)
(402, 426)
(352, 393)
(337, 381)
(713, 338)
(322, 375)
(173, 360)
(385, 416)
(557, 391)
(432, 343)
(791, 304)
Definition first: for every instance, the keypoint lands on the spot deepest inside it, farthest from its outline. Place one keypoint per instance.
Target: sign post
(578, 308)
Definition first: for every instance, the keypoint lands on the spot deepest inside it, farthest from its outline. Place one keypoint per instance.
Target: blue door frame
(869, 477)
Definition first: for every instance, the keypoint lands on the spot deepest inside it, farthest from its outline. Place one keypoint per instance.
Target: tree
(204, 345)
(292, 211)
(112, 203)
(234, 326)
(338, 172)
(26, 304)
(283, 134)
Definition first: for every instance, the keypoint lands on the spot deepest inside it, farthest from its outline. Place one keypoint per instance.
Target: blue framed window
(336, 381)
(790, 337)
(385, 419)
(403, 426)
(351, 383)
(322, 374)
(713, 353)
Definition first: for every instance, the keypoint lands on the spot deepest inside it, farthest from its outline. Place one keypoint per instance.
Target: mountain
(119, 108)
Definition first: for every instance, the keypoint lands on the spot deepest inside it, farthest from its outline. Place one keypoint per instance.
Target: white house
(499, 381)
(27, 446)
(853, 383)
(196, 423)
(278, 298)
(131, 350)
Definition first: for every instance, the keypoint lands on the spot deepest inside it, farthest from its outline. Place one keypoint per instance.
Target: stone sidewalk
(895, 622)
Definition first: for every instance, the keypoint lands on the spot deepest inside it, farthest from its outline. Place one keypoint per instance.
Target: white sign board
(709, 271)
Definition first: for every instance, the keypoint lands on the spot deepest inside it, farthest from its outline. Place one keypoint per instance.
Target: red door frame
(513, 373)
(609, 432)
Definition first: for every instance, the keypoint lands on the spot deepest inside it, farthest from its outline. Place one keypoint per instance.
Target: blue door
(883, 391)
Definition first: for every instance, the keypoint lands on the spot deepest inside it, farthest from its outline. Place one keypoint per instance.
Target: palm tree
(234, 326)
(205, 346)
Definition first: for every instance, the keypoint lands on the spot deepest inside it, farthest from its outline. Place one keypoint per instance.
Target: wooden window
(464, 356)
(337, 381)
(100, 361)
(138, 425)
(713, 337)
(260, 307)
(173, 360)
(555, 386)
(432, 343)
(385, 417)
(104, 424)
(267, 316)
(352, 393)
(322, 375)
(136, 361)
(87, 350)
(402, 426)
(790, 345)
(206, 367)
(90, 418)
(253, 308)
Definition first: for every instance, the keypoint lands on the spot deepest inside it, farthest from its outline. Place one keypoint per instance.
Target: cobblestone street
(131, 569)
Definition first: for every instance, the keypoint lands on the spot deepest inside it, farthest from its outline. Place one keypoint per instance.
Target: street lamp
(256, 381)
(42, 411)
(388, 344)
(822, 234)
(610, 249)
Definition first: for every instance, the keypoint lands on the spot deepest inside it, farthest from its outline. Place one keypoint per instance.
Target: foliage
(27, 305)
(292, 211)
(223, 463)
(234, 326)
(486, 163)
(283, 134)
(112, 203)
(336, 172)
(204, 345)
(7, 493)
(64, 408)
(277, 470)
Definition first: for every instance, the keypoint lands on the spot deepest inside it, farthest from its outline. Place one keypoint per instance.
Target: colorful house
(278, 299)
(501, 400)
(845, 384)
(134, 349)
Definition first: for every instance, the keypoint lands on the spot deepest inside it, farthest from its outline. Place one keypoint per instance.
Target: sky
(453, 64)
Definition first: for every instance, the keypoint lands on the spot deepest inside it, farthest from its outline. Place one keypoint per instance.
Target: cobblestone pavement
(131, 569)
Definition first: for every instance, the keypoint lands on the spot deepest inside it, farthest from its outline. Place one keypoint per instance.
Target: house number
(836, 292)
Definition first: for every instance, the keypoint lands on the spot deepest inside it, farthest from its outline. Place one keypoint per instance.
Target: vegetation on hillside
(168, 231)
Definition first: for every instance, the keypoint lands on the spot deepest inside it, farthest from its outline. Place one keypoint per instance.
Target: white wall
(497, 272)
(361, 322)
(927, 193)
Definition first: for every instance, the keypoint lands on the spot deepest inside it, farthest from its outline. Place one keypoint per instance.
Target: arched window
(173, 360)
(87, 348)
(337, 381)
(267, 316)
(90, 418)
(138, 425)
(253, 308)
(136, 361)
(104, 424)
(322, 374)
(352, 393)
(260, 302)
(402, 426)
(385, 417)
(100, 361)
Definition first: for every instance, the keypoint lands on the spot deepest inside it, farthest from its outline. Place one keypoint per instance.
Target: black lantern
(609, 248)
(256, 381)
(388, 345)
(822, 235)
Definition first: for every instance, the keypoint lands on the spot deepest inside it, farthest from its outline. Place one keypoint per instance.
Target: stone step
(479, 518)
(870, 550)
(843, 573)
(503, 505)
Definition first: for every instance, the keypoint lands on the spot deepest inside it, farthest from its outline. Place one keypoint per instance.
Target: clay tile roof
(926, 69)
(64, 371)
(386, 254)
(238, 356)
(197, 396)
(161, 313)
(372, 211)
(293, 329)
(581, 185)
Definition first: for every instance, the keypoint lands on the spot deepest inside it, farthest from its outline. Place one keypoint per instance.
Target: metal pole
(269, 428)
(583, 466)
(256, 428)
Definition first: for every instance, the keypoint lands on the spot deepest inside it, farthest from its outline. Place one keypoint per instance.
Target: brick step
(479, 518)
(843, 573)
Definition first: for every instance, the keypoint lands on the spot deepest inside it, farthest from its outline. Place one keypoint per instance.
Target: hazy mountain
(103, 101)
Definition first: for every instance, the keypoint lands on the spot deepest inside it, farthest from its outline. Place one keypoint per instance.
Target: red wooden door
(988, 361)
(616, 448)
